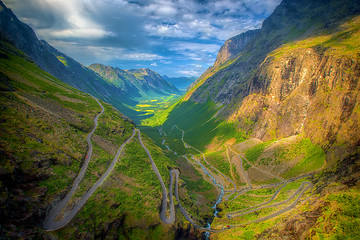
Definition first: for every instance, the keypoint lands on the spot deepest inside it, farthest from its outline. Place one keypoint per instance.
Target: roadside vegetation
(44, 123)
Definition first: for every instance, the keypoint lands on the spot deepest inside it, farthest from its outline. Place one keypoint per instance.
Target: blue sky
(172, 37)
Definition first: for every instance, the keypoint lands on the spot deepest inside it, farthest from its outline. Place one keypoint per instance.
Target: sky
(172, 37)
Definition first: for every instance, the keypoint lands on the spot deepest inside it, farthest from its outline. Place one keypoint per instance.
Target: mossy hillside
(300, 156)
(253, 153)
(130, 198)
(200, 124)
(149, 107)
(343, 42)
(160, 117)
(36, 128)
(253, 198)
(194, 189)
(153, 133)
(44, 124)
(218, 159)
(340, 218)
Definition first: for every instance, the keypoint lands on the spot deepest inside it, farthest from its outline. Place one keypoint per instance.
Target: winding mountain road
(171, 218)
(261, 206)
(264, 205)
(204, 158)
(49, 223)
(275, 194)
(241, 171)
(302, 190)
(299, 192)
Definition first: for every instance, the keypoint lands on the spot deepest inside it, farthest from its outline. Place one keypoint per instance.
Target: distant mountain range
(182, 83)
(113, 85)
(137, 83)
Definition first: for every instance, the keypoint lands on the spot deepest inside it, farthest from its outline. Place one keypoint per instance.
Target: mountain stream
(222, 192)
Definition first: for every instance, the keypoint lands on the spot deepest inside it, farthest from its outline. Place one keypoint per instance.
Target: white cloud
(70, 18)
(196, 51)
(79, 33)
(189, 72)
(195, 47)
(90, 54)
(170, 33)
(163, 8)
(167, 30)
(166, 61)
(154, 64)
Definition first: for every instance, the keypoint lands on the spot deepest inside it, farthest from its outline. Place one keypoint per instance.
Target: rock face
(290, 21)
(304, 92)
(299, 74)
(234, 46)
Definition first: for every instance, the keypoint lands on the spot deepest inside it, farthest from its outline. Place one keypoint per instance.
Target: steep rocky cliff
(290, 21)
(234, 46)
(298, 78)
(307, 92)
(294, 77)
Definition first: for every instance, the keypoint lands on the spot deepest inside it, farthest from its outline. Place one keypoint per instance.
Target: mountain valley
(263, 145)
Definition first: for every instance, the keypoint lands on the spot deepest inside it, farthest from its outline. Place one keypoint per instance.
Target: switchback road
(49, 223)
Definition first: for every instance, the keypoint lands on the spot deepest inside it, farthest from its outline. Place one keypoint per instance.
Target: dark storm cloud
(182, 33)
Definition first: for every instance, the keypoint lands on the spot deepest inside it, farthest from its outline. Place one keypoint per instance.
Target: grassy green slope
(199, 123)
(44, 123)
(330, 210)
(288, 159)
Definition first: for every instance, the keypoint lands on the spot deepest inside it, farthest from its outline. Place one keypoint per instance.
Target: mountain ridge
(286, 104)
(233, 46)
(72, 72)
(136, 83)
(296, 79)
(293, 93)
(45, 125)
(290, 21)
